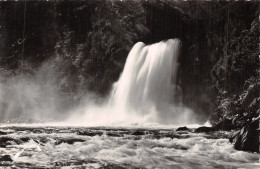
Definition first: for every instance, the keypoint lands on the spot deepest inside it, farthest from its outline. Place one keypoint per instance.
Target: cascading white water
(149, 75)
(146, 92)
(148, 84)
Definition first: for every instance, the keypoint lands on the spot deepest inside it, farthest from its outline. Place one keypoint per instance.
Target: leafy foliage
(97, 63)
(238, 85)
(241, 60)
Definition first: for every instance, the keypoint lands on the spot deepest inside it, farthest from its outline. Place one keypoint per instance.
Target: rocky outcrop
(239, 110)
(236, 75)
(251, 95)
(225, 124)
(205, 129)
(247, 139)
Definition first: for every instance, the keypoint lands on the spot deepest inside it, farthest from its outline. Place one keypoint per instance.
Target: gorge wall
(87, 43)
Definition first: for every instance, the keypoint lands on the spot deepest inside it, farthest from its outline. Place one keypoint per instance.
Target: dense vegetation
(86, 43)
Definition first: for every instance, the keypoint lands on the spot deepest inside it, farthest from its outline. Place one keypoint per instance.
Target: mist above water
(147, 92)
(32, 97)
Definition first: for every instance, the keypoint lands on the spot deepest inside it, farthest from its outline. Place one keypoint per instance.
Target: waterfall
(147, 91)
(148, 86)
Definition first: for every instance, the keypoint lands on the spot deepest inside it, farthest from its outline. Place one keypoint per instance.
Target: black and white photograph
(129, 84)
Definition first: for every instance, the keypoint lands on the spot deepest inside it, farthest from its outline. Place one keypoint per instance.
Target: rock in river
(247, 139)
(183, 129)
(204, 129)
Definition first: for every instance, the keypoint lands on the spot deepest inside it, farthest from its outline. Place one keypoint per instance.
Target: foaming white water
(148, 85)
(147, 90)
(64, 147)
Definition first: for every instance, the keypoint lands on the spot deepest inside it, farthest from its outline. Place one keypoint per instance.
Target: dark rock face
(254, 106)
(182, 129)
(252, 93)
(237, 84)
(226, 124)
(204, 129)
(247, 139)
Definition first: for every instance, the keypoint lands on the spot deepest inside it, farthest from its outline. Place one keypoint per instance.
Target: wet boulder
(247, 139)
(183, 129)
(6, 158)
(205, 129)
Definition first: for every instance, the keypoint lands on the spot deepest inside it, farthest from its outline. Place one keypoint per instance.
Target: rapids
(79, 147)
